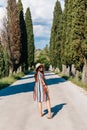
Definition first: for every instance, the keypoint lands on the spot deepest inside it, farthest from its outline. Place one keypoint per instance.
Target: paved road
(18, 111)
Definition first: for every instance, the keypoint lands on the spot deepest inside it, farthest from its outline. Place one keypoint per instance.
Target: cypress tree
(68, 51)
(66, 40)
(51, 46)
(56, 36)
(1, 62)
(84, 48)
(84, 44)
(20, 6)
(30, 37)
(4, 37)
(64, 19)
(24, 52)
(6, 62)
(14, 35)
(78, 36)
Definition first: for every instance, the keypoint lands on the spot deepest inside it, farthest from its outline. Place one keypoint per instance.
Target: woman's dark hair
(35, 76)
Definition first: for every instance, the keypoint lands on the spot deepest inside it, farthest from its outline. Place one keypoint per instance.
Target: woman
(41, 90)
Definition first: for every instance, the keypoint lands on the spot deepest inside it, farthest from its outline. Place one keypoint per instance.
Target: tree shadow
(52, 81)
(27, 87)
(15, 89)
(55, 109)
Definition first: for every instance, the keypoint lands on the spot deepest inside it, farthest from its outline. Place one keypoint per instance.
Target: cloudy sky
(42, 15)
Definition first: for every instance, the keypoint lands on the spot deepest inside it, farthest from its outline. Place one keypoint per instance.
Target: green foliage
(1, 62)
(56, 37)
(74, 80)
(68, 41)
(5, 82)
(43, 56)
(24, 51)
(78, 36)
(20, 6)
(6, 62)
(84, 44)
(68, 24)
(30, 37)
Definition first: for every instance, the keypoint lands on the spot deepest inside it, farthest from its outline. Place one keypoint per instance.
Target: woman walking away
(41, 90)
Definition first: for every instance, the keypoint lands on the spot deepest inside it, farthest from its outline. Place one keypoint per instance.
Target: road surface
(18, 110)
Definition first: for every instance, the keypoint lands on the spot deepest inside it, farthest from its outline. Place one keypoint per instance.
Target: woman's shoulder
(40, 74)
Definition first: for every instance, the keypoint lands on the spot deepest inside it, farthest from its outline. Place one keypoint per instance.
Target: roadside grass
(4, 82)
(78, 82)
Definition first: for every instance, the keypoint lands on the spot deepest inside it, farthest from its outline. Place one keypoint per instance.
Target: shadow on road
(52, 81)
(15, 89)
(28, 87)
(55, 109)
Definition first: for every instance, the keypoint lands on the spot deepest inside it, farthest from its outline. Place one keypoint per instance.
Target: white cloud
(41, 8)
(3, 2)
(42, 31)
(2, 15)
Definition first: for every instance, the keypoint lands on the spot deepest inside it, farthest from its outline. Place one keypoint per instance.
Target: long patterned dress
(41, 95)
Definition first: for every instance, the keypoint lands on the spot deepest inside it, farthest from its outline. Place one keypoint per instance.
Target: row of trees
(17, 40)
(68, 41)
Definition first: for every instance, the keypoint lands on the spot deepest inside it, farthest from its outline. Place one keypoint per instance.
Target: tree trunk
(84, 74)
(19, 69)
(77, 74)
(73, 70)
(66, 70)
(10, 70)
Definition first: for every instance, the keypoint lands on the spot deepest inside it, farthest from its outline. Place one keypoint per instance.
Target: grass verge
(73, 80)
(4, 82)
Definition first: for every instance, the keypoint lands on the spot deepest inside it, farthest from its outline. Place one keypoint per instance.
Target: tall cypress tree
(66, 40)
(84, 45)
(4, 37)
(30, 37)
(56, 36)
(1, 62)
(14, 35)
(78, 36)
(68, 51)
(64, 19)
(84, 48)
(6, 61)
(24, 52)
